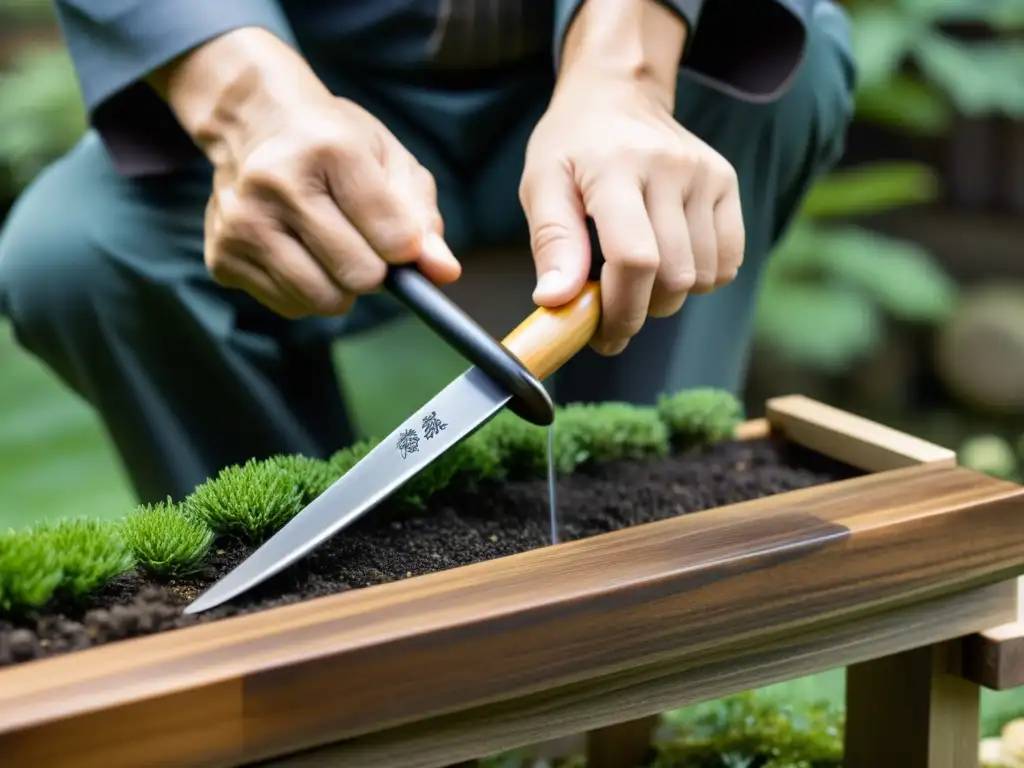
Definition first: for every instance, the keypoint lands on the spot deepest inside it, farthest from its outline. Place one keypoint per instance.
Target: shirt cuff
(749, 49)
(115, 45)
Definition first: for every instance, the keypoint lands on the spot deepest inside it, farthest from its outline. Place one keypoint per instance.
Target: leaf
(871, 188)
(882, 37)
(906, 103)
(798, 254)
(901, 276)
(980, 77)
(824, 327)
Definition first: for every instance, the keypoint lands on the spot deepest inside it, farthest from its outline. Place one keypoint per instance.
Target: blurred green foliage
(830, 290)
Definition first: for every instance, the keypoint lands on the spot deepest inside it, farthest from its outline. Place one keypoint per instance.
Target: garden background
(899, 293)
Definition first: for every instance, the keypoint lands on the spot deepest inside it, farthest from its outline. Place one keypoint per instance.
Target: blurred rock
(980, 354)
(990, 752)
(1012, 754)
(990, 454)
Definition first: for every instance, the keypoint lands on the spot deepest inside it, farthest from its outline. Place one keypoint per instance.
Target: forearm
(220, 89)
(638, 40)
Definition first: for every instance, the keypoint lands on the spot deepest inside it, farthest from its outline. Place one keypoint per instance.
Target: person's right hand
(312, 196)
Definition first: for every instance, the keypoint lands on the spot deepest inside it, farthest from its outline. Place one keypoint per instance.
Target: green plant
(311, 476)
(91, 553)
(251, 501)
(700, 416)
(593, 433)
(165, 540)
(41, 112)
(830, 291)
(971, 77)
(65, 560)
(29, 571)
(746, 730)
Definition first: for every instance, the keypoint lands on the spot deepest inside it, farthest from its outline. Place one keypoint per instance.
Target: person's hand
(312, 196)
(665, 205)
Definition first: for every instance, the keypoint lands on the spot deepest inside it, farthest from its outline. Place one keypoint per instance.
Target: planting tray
(883, 572)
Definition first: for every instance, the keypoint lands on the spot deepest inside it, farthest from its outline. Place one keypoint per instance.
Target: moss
(254, 500)
(251, 501)
(90, 553)
(311, 476)
(30, 571)
(463, 465)
(586, 434)
(700, 416)
(342, 461)
(165, 540)
(65, 560)
(518, 447)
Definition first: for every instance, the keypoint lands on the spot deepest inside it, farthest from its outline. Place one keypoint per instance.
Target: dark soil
(499, 520)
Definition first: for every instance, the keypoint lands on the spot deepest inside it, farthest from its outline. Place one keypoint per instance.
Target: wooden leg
(907, 710)
(625, 745)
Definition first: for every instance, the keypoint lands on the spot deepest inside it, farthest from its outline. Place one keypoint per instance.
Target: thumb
(558, 237)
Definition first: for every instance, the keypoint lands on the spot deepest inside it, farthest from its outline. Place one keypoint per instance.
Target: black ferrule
(530, 400)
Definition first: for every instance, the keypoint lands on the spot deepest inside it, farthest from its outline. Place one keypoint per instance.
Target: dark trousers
(103, 278)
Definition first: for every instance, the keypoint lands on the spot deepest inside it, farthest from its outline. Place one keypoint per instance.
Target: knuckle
(219, 268)
(363, 277)
(263, 177)
(639, 260)
(546, 234)
(679, 281)
(399, 242)
(327, 302)
(334, 150)
(239, 227)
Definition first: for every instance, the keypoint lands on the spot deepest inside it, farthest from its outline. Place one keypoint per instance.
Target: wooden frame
(456, 665)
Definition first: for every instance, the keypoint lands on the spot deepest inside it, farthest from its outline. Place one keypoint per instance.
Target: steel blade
(465, 404)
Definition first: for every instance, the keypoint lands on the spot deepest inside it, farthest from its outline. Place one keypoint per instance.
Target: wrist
(225, 90)
(636, 41)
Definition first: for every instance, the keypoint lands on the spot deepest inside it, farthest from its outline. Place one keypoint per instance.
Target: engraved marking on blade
(432, 425)
(408, 442)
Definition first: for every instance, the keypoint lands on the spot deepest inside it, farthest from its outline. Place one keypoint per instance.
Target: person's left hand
(665, 205)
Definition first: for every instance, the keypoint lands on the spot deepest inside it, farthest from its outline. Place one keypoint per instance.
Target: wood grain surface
(637, 692)
(548, 338)
(852, 439)
(740, 577)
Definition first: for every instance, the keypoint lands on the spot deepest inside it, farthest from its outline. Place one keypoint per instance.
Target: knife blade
(541, 344)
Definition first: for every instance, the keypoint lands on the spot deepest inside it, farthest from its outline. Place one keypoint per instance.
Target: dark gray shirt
(748, 48)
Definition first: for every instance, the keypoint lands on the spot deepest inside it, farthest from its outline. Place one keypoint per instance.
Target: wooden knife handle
(548, 338)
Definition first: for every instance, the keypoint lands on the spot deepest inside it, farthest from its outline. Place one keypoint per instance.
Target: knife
(504, 374)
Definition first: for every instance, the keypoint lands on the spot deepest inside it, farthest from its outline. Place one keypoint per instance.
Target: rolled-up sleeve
(750, 49)
(115, 44)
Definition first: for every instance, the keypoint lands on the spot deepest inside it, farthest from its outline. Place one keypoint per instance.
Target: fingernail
(436, 248)
(550, 282)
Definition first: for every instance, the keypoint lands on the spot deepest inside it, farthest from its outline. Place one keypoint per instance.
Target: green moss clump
(311, 476)
(165, 540)
(90, 553)
(700, 416)
(30, 571)
(252, 501)
(586, 434)
(518, 447)
(463, 465)
(342, 461)
(65, 560)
